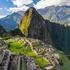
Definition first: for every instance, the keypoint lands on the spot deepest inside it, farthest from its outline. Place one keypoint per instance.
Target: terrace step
(5, 61)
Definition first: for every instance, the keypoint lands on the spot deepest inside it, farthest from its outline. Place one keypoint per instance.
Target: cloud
(23, 5)
(45, 3)
(16, 9)
(1, 8)
(2, 16)
(3, 12)
(38, 4)
(19, 3)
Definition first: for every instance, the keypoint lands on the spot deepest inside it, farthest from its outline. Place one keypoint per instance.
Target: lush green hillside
(25, 21)
(23, 46)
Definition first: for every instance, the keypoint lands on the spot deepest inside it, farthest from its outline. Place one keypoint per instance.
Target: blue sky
(9, 6)
(4, 6)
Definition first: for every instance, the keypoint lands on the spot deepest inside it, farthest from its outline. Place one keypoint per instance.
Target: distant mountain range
(10, 22)
(58, 14)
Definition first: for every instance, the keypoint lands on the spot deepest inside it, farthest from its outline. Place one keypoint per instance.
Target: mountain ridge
(10, 22)
(59, 14)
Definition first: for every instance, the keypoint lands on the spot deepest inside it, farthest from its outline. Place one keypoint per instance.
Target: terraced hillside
(20, 53)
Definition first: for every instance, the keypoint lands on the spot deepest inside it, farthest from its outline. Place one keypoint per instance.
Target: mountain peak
(33, 25)
(30, 15)
(32, 10)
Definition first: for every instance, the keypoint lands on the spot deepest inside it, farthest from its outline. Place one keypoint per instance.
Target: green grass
(41, 61)
(23, 65)
(18, 48)
(65, 61)
(25, 22)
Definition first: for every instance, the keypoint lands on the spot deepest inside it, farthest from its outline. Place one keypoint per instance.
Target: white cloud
(21, 5)
(2, 16)
(2, 12)
(21, 2)
(16, 9)
(1, 8)
(45, 3)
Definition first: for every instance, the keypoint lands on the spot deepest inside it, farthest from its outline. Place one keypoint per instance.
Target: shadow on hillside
(60, 36)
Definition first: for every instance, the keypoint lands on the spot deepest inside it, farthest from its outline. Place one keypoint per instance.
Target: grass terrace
(20, 48)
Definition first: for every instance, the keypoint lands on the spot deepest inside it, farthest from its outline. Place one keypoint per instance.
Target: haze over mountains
(58, 14)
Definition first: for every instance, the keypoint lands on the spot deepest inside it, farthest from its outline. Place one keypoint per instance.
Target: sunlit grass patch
(19, 48)
(41, 61)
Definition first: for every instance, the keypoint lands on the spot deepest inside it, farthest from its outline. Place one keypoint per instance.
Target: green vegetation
(23, 65)
(19, 48)
(41, 61)
(25, 22)
(65, 62)
(5, 36)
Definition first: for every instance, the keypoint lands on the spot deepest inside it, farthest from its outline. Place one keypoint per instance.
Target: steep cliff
(60, 36)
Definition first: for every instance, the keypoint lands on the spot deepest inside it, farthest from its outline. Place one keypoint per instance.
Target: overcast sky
(9, 6)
